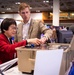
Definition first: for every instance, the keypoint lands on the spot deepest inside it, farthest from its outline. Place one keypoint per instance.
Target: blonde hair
(23, 6)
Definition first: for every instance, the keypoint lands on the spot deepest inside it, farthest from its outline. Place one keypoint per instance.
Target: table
(26, 57)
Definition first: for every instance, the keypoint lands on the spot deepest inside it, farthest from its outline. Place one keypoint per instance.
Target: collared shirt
(25, 29)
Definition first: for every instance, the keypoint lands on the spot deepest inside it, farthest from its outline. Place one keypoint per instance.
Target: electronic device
(5, 66)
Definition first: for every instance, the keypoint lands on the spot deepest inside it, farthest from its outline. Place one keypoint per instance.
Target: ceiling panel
(10, 6)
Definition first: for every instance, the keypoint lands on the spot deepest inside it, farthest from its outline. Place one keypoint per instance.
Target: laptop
(48, 62)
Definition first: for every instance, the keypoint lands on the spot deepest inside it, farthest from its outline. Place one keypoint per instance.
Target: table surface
(45, 47)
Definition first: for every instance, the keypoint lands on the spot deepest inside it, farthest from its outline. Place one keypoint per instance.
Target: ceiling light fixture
(37, 10)
(30, 7)
(8, 8)
(17, 3)
(72, 14)
(3, 12)
(46, 1)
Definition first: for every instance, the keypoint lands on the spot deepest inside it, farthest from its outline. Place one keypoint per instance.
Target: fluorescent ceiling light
(17, 3)
(30, 7)
(47, 1)
(37, 10)
(2, 12)
(72, 14)
(8, 8)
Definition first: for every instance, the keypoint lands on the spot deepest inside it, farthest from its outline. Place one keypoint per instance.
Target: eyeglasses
(14, 28)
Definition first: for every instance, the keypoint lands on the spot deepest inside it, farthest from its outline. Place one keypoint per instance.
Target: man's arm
(47, 32)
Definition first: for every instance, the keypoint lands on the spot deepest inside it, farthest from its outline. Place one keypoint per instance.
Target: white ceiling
(65, 5)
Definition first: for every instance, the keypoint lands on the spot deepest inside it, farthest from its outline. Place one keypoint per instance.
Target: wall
(18, 17)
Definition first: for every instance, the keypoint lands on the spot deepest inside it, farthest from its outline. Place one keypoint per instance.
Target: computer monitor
(65, 36)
